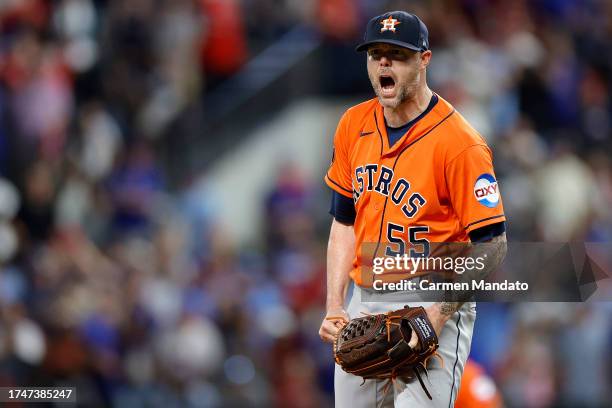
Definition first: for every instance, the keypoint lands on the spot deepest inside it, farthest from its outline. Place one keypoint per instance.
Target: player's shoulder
(363, 108)
(359, 117)
(457, 133)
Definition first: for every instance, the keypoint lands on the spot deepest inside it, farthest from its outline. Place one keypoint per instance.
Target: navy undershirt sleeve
(342, 208)
(487, 232)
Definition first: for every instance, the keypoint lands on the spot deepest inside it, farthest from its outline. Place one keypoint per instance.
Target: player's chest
(407, 180)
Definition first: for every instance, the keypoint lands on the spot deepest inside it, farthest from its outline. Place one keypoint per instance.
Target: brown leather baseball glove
(376, 346)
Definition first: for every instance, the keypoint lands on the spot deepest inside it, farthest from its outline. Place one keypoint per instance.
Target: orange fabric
(425, 185)
(477, 389)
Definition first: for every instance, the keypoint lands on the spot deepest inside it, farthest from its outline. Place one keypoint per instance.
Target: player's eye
(393, 54)
(376, 55)
(398, 55)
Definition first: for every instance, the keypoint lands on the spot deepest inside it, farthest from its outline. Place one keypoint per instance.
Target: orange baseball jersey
(435, 184)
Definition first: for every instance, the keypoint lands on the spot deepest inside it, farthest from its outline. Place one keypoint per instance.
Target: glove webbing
(423, 365)
(393, 376)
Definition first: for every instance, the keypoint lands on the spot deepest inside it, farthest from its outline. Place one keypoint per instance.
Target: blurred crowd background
(116, 275)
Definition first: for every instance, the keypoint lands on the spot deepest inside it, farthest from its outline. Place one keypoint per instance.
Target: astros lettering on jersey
(436, 184)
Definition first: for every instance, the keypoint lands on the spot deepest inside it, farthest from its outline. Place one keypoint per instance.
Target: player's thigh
(352, 392)
(444, 377)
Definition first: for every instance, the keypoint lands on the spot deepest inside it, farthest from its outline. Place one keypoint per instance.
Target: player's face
(395, 73)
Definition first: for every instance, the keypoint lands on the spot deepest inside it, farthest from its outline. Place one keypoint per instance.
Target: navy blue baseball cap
(398, 28)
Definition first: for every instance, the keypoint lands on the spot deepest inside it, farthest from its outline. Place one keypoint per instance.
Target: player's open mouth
(387, 85)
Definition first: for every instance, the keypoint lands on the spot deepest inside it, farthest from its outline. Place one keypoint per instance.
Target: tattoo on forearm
(448, 308)
(493, 252)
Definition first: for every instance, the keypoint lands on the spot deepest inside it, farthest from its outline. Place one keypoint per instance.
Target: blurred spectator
(36, 212)
(134, 187)
(224, 46)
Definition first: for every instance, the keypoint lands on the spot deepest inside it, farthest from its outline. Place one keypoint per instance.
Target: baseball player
(407, 170)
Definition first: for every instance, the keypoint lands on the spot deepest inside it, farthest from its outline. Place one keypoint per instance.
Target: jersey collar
(430, 120)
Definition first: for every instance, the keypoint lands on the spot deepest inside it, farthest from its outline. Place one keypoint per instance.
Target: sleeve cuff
(484, 222)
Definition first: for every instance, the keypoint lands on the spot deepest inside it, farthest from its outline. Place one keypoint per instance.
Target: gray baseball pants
(442, 381)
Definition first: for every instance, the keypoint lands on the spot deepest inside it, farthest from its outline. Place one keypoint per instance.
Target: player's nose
(385, 61)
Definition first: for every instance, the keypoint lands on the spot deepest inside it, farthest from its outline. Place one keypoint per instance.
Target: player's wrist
(336, 308)
(334, 302)
(437, 316)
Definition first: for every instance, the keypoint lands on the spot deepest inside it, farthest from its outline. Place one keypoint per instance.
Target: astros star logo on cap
(389, 24)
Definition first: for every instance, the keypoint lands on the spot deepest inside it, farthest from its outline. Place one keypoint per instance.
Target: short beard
(406, 91)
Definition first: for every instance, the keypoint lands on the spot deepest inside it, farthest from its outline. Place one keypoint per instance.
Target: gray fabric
(442, 382)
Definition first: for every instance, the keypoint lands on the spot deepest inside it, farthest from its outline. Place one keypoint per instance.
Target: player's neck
(409, 109)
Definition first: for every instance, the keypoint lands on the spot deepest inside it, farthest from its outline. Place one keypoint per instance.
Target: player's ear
(425, 57)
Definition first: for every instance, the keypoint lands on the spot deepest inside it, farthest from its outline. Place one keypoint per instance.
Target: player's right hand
(335, 319)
